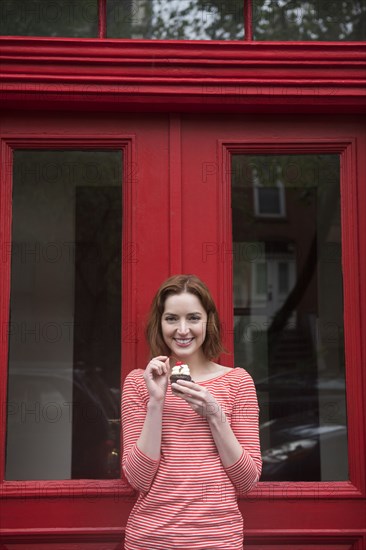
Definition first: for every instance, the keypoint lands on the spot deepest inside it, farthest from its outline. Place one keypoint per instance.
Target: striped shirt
(187, 498)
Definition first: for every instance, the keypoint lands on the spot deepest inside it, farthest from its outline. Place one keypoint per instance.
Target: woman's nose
(183, 327)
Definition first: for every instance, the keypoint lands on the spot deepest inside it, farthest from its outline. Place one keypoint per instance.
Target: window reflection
(309, 20)
(176, 19)
(68, 18)
(288, 312)
(65, 321)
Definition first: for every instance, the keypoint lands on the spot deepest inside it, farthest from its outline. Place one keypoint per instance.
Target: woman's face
(184, 323)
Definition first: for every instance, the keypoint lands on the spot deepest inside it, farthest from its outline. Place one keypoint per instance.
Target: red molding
(175, 194)
(68, 535)
(102, 18)
(248, 20)
(222, 75)
(308, 537)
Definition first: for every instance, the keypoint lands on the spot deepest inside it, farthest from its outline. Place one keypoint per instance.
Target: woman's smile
(184, 342)
(184, 324)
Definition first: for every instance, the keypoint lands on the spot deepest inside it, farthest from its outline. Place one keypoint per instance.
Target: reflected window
(288, 313)
(65, 316)
(176, 19)
(309, 20)
(68, 18)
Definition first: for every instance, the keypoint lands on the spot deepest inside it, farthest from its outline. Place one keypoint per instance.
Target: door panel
(282, 502)
(75, 507)
(177, 217)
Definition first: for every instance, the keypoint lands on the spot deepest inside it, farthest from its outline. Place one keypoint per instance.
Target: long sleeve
(246, 471)
(138, 468)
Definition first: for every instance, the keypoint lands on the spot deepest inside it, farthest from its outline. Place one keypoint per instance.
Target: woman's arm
(237, 441)
(238, 462)
(227, 444)
(149, 441)
(141, 433)
(238, 444)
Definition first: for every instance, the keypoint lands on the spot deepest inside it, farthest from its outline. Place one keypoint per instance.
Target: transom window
(258, 20)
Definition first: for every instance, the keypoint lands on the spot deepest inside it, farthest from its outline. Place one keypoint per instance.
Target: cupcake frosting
(180, 368)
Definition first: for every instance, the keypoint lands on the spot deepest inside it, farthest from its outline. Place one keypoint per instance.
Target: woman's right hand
(156, 376)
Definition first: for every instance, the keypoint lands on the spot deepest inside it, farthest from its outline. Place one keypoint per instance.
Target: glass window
(309, 20)
(68, 18)
(288, 314)
(283, 277)
(65, 316)
(176, 19)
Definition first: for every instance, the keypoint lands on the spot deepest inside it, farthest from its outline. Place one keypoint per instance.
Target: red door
(268, 210)
(281, 241)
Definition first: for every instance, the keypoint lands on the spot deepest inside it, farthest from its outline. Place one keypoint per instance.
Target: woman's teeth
(183, 341)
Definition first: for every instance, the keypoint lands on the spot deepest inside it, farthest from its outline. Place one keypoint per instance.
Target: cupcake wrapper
(175, 377)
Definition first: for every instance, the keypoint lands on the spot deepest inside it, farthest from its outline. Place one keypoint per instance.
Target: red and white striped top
(187, 499)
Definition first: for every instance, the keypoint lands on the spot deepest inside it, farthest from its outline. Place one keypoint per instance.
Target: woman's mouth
(183, 342)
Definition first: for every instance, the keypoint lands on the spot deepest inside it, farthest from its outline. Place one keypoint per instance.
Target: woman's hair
(212, 346)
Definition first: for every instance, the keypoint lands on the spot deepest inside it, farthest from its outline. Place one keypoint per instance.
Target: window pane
(261, 278)
(65, 316)
(269, 200)
(68, 18)
(283, 277)
(309, 20)
(176, 19)
(290, 335)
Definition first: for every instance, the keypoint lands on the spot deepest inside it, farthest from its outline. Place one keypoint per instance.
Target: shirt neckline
(216, 377)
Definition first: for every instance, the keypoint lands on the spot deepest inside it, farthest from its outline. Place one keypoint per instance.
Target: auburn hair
(212, 346)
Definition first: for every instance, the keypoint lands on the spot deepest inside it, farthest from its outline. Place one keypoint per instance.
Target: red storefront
(125, 160)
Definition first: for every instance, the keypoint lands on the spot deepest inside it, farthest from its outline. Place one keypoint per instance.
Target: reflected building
(288, 307)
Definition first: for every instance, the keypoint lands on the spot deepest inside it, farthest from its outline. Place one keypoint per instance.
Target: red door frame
(339, 502)
(68, 74)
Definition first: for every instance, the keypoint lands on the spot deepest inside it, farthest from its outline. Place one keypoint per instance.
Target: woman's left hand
(198, 397)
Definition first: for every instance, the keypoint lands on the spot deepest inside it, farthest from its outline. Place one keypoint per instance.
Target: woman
(189, 448)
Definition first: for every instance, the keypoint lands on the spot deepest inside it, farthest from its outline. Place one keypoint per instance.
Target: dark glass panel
(176, 19)
(288, 312)
(67, 18)
(269, 200)
(296, 20)
(65, 316)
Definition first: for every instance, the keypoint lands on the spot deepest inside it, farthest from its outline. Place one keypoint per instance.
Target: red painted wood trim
(175, 194)
(129, 326)
(353, 279)
(118, 74)
(102, 18)
(353, 328)
(225, 241)
(69, 489)
(307, 537)
(248, 20)
(273, 537)
(126, 144)
(68, 535)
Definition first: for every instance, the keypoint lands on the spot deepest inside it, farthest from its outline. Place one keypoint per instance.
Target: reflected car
(67, 423)
(305, 424)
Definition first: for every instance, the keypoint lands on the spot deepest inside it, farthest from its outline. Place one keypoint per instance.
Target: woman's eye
(170, 319)
(195, 318)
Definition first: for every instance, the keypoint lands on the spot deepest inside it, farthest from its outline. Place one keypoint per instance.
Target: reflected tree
(68, 18)
(176, 19)
(309, 20)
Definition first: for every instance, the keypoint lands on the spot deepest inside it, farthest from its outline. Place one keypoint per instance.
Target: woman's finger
(157, 365)
(186, 387)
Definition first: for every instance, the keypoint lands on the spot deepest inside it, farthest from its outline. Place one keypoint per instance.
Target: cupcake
(180, 372)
